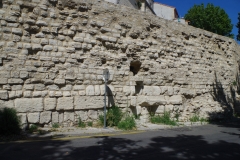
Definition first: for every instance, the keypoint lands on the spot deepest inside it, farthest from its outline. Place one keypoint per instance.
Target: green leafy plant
(90, 123)
(55, 125)
(163, 119)
(194, 118)
(81, 123)
(114, 116)
(9, 122)
(128, 123)
(33, 128)
(101, 120)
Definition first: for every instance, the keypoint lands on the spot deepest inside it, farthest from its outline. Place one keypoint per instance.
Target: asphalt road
(220, 142)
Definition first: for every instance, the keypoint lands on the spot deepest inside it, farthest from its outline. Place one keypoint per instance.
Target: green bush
(55, 125)
(81, 123)
(128, 123)
(114, 116)
(9, 122)
(90, 123)
(33, 128)
(164, 119)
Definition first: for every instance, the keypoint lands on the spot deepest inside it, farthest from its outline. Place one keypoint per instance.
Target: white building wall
(129, 3)
(112, 1)
(164, 11)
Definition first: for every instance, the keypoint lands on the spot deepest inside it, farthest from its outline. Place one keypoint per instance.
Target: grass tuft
(55, 125)
(163, 119)
(128, 123)
(81, 124)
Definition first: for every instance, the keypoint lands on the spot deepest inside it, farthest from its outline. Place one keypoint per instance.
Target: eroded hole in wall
(103, 60)
(1, 4)
(135, 66)
(80, 60)
(138, 89)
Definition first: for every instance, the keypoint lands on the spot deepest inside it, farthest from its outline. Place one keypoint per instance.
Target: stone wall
(53, 52)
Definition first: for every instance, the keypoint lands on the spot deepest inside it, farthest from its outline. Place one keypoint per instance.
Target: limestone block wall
(53, 52)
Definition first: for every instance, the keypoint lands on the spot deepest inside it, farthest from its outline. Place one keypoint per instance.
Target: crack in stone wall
(53, 52)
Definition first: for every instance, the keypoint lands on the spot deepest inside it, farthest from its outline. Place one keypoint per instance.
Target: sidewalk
(91, 132)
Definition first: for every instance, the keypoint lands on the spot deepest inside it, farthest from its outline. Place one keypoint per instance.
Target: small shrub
(81, 123)
(164, 119)
(55, 125)
(9, 122)
(234, 83)
(33, 128)
(194, 118)
(101, 120)
(114, 116)
(90, 123)
(128, 123)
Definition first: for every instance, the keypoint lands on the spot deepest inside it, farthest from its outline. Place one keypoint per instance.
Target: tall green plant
(114, 116)
(9, 122)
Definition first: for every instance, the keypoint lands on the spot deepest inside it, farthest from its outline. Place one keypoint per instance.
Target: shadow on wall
(110, 96)
(228, 102)
(111, 148)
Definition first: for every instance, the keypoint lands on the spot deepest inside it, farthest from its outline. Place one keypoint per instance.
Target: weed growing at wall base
(163, 119)
(81, 124)
(114, 115)
(128, 123)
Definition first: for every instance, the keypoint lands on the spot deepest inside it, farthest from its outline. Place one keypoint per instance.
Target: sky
(231, 7)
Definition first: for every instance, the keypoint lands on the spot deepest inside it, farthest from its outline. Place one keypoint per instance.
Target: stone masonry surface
(53, 52)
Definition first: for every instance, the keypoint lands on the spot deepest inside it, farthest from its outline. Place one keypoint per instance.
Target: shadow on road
(112, 148)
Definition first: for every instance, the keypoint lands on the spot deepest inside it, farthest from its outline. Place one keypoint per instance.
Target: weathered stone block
(93, 114)
(175, 99)
(45, 117)
(8, 104)
(55, 117)
(33, 117)
(50, 103)
(65, 103)
(15, 81)
(4, 94)
(36, 47)
(29, 105)
(151, 100)
(82, 114)
(79, 87)
(68, 116)
(90, 90)
(91, 102)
